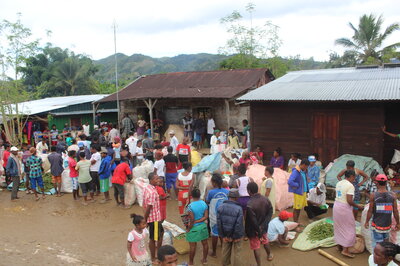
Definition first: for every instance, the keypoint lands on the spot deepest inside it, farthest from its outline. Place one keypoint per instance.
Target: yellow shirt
(196, 157)
(344, 188)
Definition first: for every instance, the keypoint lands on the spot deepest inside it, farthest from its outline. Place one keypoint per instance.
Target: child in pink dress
(138, 240)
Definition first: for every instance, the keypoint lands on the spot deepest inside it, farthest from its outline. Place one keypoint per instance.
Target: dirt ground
(60, 231)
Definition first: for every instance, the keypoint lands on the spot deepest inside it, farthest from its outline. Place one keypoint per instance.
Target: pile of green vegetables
(46, 183)
(320, 232)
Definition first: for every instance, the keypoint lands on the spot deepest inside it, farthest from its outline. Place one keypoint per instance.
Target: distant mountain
(130, 67)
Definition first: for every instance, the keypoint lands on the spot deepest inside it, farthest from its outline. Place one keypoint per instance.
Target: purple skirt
(243, 202)
(344, 225)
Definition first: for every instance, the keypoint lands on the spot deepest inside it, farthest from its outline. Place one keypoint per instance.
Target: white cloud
(168, 28)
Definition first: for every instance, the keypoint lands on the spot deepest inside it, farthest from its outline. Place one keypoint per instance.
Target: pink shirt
(72, 164)
(139, 244)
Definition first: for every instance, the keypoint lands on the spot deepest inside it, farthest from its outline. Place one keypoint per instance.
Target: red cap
(381, 177)
(285, 215)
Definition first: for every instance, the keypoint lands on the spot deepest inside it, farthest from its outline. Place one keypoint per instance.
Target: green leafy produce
(320, 232)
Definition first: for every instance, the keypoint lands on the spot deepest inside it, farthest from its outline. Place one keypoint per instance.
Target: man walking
(56, 169)
(231, 228)
(258, 215)
(13, 169)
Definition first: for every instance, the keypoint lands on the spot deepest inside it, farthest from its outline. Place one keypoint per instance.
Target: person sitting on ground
(268, 186)
(277, 231)
(167, 256)
(258, 215)
(137, 241)
(197, 229)
(385, 254)
(245, 159)
(277, 159)
(316, 201)
(381, 206)
(231, 228)
(122, 173)
(258, 154)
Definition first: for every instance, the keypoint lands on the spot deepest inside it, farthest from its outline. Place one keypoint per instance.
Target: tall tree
(368, 39)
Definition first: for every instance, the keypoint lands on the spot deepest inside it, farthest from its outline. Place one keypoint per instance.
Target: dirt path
(59, 231)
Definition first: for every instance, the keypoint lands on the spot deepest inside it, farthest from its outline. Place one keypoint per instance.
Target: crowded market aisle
(59, 231)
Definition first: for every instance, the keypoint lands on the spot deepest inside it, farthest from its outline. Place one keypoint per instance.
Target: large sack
(140, 184)
(366, 233)
(367, 164)
(143, 170)
(46, 163)
(130, 193)
(66, 182)
(181, 245)
(359, 246)
(283, 199)
(205, 180)
(396, 157)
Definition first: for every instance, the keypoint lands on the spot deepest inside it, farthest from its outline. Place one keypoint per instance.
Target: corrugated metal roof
(342, 84)
(204, 84)
(53, 103)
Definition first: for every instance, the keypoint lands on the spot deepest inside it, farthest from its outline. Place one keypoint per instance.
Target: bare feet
(346, 254)
(214, 255)
(270, 257)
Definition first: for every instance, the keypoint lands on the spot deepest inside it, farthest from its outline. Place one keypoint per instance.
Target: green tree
(368, 39)
(249, 45)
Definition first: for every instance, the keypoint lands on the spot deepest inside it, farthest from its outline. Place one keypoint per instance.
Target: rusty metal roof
(339, 84)
(223, 84)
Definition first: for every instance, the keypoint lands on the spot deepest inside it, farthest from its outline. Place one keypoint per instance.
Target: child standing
(268, 186)
(381, 206)
(73, 173)
(137, 241)
(159, 165)
(139, 152)
(163, 198)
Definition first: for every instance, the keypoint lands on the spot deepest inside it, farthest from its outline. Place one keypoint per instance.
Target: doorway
(325, 137)
(76, 122)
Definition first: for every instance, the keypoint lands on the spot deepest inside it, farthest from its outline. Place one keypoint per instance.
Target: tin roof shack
(330, 112)
(74, 110)
(169, 96)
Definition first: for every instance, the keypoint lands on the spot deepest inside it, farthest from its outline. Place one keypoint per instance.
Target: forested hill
(130, 67)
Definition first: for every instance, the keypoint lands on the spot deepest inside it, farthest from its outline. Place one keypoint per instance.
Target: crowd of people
(231, 212)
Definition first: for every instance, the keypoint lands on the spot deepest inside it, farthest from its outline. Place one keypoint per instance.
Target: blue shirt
(275, 228)
(214, 191)
(105, 167)
(198, 208)
(313, 173)
(303, 175)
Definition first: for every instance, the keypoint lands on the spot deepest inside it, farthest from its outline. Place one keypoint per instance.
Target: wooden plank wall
(289, 126)
(392, 122)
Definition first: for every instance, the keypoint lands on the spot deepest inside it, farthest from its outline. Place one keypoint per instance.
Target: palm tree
(68, 75)
(368, 39)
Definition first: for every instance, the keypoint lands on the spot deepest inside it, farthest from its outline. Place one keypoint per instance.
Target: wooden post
(227, 111)
(95, 106)
(150, 105)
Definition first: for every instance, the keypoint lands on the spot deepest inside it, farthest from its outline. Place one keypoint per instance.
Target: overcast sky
(166, 28)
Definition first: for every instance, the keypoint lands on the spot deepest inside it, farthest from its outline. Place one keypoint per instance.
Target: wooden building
(169, 96)
(330, 112)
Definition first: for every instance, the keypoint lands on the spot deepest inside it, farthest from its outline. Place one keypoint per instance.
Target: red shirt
(163, 203)
(72, 164)
(171, 163)
(121, 173)
(6, 155)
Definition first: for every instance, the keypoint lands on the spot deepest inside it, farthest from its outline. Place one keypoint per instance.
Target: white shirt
(210, 126)
(113, 133)
(213, 143)
(40, 147)
(174, 143)
(139, 150)
(314, 197)
(291, 162)
(86, 129)
(160, 165)
(97, 157)
(132, 142)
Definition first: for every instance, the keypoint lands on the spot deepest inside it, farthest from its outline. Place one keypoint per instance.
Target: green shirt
(245, 129)
(84, 175)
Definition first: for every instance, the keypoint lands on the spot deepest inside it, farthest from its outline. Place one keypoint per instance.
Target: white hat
(321, 187)
(172, 132)
(13, 148)
(96, 126)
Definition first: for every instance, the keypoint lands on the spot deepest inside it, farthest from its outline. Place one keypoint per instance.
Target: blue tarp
(209, 163)
(367, 164)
